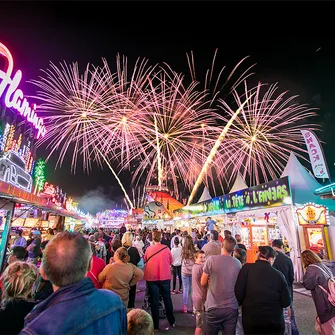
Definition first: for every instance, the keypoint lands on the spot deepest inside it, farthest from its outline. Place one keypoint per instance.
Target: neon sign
(12, 171)
(271, 194)
(14, 97)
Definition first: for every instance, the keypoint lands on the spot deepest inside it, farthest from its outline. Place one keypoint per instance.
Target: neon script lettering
(14, 97)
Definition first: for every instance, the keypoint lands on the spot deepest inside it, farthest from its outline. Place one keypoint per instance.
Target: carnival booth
(285, 208)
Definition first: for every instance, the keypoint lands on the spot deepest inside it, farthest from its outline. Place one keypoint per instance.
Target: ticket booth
(314, 220)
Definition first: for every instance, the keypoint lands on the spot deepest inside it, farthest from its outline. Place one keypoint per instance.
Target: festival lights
(14, 97)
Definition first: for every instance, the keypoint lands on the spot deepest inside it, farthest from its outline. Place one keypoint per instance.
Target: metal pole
(5, 237)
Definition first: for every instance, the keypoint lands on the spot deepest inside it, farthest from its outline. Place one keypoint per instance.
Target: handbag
(140, 264)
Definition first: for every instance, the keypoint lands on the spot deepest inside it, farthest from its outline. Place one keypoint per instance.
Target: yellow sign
(312, 214)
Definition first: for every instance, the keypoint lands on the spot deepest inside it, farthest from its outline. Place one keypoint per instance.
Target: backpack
(331, 284)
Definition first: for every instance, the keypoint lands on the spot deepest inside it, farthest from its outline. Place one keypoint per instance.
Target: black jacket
(134, 255)
(12, 317)
(263, 293)
(284, 264)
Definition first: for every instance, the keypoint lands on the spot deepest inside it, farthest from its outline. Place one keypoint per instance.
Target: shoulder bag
(155, 254)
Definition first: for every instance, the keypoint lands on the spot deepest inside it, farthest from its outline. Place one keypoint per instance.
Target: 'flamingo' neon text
(14, 97)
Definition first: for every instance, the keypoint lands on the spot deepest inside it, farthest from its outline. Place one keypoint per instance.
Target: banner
(271, 194)
(316, 155)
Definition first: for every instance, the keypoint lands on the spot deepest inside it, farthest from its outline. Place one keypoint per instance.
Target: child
(139, 322)
(199, 292)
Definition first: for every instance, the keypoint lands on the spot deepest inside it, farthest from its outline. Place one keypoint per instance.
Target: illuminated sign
(14, 97)
(271, 194)
(312, 214)
(13, 171)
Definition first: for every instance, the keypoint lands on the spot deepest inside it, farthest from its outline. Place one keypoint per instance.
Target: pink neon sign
(14, 97)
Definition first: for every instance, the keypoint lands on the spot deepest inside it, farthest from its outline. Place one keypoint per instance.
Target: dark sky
(291, 42)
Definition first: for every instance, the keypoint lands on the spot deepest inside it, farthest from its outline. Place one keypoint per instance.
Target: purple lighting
(14, 97)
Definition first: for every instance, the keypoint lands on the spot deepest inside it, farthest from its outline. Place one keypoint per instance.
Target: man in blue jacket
(76, 306)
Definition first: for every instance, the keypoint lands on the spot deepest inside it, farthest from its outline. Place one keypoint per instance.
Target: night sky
(291, 42)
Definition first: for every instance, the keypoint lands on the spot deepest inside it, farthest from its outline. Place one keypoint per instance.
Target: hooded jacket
(312, 278)
(78, 309)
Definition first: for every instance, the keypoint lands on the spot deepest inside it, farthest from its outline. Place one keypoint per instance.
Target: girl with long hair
(17, 296)
(187, 261)
(316, 280)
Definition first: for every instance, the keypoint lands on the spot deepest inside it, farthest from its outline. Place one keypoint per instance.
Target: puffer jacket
(312, 278)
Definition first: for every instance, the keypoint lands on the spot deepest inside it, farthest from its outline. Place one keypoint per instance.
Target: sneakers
(173, 292)
(165, 329)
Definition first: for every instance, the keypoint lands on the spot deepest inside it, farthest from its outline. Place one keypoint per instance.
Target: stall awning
(15, 194)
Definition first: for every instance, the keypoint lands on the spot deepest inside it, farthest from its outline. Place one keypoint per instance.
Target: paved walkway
(303, 306)
(299, 288)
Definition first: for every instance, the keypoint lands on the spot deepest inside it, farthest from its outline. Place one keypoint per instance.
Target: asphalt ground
(185, 323)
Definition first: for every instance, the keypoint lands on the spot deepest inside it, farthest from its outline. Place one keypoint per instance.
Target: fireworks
(267, 129)
(165, 131)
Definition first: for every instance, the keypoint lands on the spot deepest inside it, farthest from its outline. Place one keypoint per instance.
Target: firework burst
(267, 129)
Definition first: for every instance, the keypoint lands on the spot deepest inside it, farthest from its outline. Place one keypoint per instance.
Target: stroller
(146, 304)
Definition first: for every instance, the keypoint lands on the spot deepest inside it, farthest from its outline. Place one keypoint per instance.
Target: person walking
(157, 273)
(315, 278)
(176, 266)
(220, 274)
(284, 264)
(263, 293)
(187, 261)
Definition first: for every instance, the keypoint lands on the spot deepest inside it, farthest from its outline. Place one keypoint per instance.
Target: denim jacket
(78, 309)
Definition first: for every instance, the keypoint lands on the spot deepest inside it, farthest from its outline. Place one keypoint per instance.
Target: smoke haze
(97, 200)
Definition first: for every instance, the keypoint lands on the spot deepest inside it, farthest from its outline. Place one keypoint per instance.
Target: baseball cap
(36, 232)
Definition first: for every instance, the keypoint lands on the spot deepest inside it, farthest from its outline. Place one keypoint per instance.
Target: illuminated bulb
(124, 119)
(203, 125)
(166, 136)
(253, 139)
(84, 114)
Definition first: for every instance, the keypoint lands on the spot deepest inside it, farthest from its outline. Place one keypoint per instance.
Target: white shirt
(176, 256)
(139, 246)
(172, 241)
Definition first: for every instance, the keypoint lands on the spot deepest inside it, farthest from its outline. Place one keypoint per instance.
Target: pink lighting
(14, 97)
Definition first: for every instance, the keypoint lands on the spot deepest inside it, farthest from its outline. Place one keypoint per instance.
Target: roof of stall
(303, 184)
(15, 194)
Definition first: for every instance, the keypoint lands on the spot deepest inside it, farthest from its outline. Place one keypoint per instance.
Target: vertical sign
(316, 154)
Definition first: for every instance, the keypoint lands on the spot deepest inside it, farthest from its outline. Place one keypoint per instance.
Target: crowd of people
(86, 283)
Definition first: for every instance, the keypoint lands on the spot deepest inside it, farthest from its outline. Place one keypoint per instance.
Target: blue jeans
(223, 319)
(156, 288)
(187, 288)
(294, 327)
